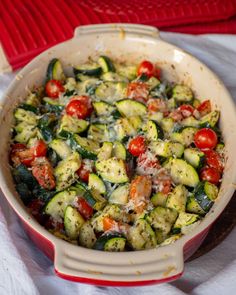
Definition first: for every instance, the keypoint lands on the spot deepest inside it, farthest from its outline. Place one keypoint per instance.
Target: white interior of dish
(177, 66)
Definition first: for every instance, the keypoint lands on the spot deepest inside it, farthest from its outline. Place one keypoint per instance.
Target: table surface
(25, 270)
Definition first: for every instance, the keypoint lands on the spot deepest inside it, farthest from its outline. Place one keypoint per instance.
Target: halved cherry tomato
(162, 181)
(80, 107)
(176, 115)
(186, 110)
(138, 91)
(210, 174)
(147, 164)
(84, 208)
(205, 107)
(43, 172)
(53, 88)
(20, 154)
(146, 68)
(137, 146)
(109, 224)
(157, 105)
(205, 138)
(84, 170)
(140, 191)
(213, 159)
(40, 149)
(17, 147)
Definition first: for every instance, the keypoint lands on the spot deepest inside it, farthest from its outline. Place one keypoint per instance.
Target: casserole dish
(133, 43)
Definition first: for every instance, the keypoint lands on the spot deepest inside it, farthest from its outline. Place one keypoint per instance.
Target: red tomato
(53, 88)
(146, 68)
(157, 105)
(176, 115)
(84, 170)
(20, 154)
(138, 91)
(84, 208)
(110, 224)
(80, 107)
(214, 160)
(147, 164)
(157, 73)
(18, 147)
(137, 146)
(186, 110)
(162, 181)
(210, 174)
(205, 107)
(205, 138)
(40, 149)
(43, 172)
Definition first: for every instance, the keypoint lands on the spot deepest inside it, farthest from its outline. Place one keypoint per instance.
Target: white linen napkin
(25, 270)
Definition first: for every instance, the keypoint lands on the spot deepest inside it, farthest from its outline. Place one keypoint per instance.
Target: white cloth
(25, 270)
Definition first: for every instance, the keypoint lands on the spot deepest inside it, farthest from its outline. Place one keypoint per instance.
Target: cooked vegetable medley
(116, 158)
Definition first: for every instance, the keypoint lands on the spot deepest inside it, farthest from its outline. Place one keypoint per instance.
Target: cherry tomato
(137, 146)
(147, 164)
(162, 181)
(205, 107)
(20, 154)
(53, 88)
(214, 160)
(84, 208)
(85, 169)
(110, 224)
(186, 110)
(176, 115)
(80, 107)
(205, 138)
(40, 149)
(146, 68)
(157, 105)
(43, 172)
(138, 91)
(157, 73)
(18, 147)
(210, 174)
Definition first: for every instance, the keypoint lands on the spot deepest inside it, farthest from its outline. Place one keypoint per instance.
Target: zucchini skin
(101, 242)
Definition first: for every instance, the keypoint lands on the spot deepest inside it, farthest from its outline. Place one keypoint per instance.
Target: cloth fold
(25, 270)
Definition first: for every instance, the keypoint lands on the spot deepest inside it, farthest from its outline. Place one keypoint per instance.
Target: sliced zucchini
(94, 199)
(167, 124)
(171, 239)
(205, 194)
(87, 237)
(103, 108)
(159, 199)
(196, 103)
(184, 135)
(65, 171)
(86, 147)
(193, 206)
(53, 105)
(112, 242)
(28, 117)
(166, 149)
(162, 218)
(105, 151)
(190, 122)
(111, 91)
(95, 183)
(61, 148)
(128, 71)
(184, 219)
(194, 157)
(112, 170)
(114, 77)
(156, 116)
(70, 124)
(119, 150)
(25, 132)
(152, 83)
(98, 132)
(210, 119)
(33, 100)
(55, 70)
(183, 173)
(153, 131)
(182, 93)
(88, 70)
(57, 205)
(73, 221)
(129, 107)
(106, 64)
(120, 195)
(28, 107)
(141, 235)
(177, 198)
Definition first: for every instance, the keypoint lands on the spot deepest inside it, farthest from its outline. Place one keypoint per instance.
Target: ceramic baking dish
(133, 43)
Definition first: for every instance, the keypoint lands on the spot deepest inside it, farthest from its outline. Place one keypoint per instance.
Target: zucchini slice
(87, 237)
(65, 171)
(184, 219)
(182, 93)
(73, 221)
(112, 170)
(162, 218)
(105, 151)
(205, 194)
(112, 242)
(114, 77)
(153, 131)
(106, 64)
(119, 150)
(103, 108)
(130, 107)
(152, 83)
(128, 71)
(184, 135)
(28, 117)
(210, 119)
(86, 147)
(120, 195)
(111, 91)
(55, 70)
(61, 148)
(167, 125)
(95, 183)
(69, 124)
(183, 173)
(167, 149)
(190, 122)
(193, 206)
(177, 198)
(194, 157)
(88, 70)
(141, 235)
(98, 132)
